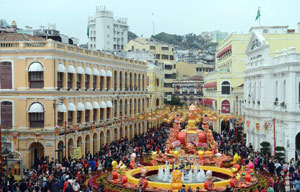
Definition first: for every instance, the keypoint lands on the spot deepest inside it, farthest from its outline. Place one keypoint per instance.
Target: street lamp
(61, 102)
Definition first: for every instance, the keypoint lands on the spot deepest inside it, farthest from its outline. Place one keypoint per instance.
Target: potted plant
(283, 105)
(280, 152)
(265, 148)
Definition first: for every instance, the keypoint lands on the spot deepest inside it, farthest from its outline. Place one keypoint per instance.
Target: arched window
(134, 106)
(130, 81)
(126, 107)
(115, 80)
(6, 114)
(130, 106)
(36, 115)
(126, 83)
(121, 80)
(143, 105)
(139, 105)
(143, 82)
(226, 88)
(61, 70)
(225, 106)
(121, 107)
(135, 85)
(115, 108)
(6, 75)
(36, 75)
(139, 82)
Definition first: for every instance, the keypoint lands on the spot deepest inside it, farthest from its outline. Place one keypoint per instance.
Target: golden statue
(176, 180)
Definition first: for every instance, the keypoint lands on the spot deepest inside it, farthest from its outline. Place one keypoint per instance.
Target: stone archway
(80, 144)
(108, 137)
(60, 151)
(115, 134)
(297, 145)
(102, 139)
(87, 144)
(95, 146)
(225, 126)
(36, 151)
(70, 147)
(131, 132)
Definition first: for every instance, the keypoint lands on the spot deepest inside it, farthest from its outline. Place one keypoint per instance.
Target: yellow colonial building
(228, 75)
(56, 97)
(162, 53)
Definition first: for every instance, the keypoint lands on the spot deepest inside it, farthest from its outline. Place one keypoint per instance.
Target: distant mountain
(188, 41)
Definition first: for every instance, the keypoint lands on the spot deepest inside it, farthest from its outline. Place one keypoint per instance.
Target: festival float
(191, 158)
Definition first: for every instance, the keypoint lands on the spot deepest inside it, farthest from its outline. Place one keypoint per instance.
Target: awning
(109, 104)
(88, 71)
(36, 108)
(109, 73)
(62, 108)
(80, 106)
(88, 106)
(35, 66)
(102, 73)
(208, 101)
(96, 105)
(61, 68)
(71, 107)
(96, 72)
(71, 69)
(210, 84)
(102, 105)
(80, 70)
(228, 48)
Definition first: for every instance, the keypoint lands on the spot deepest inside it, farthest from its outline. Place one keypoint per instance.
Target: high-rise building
(105, 32)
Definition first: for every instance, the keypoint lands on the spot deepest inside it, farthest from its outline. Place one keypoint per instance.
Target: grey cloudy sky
(171, 16)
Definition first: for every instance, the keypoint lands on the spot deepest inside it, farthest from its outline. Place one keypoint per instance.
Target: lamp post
(61, 102)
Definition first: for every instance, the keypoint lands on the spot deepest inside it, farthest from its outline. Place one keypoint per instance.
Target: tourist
(198, 189)
(297, 184)
(182, 189)
(190, 189)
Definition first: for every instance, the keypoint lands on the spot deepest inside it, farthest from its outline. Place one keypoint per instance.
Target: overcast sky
(171, 16)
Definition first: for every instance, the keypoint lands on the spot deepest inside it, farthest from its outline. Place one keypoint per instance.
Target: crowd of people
(70, 174)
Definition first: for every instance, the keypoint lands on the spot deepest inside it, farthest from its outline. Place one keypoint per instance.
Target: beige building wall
(119, 84)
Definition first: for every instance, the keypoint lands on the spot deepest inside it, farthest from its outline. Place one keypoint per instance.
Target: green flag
(258, 14)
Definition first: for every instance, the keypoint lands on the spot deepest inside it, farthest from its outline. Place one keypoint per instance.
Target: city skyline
(219, 15)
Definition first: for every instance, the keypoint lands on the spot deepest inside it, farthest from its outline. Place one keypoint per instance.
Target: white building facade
(105, 32)
(272, 95)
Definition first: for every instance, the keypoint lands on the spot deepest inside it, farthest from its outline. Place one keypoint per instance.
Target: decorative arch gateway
(15, 164)
(36, 152)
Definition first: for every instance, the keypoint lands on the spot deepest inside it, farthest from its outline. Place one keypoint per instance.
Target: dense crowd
(70, 174)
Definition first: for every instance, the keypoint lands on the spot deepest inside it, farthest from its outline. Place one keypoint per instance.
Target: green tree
(265, 148)
(174, 101)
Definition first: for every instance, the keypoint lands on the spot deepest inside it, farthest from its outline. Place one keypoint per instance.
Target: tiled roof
(19, 37)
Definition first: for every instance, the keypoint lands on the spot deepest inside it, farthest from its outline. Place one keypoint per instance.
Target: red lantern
(208, 185)
(114, 175)
(143, 183)
(233, 182)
